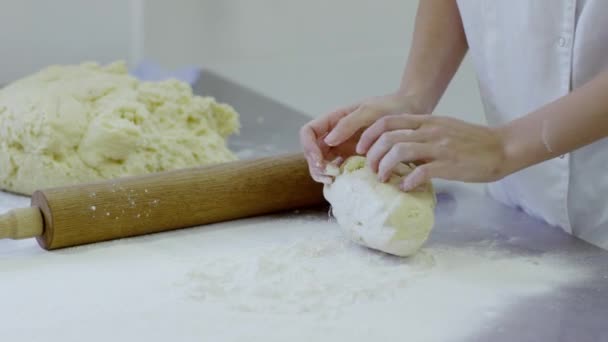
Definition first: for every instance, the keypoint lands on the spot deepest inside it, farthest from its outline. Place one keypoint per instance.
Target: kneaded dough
(82, 123)
(379, 215)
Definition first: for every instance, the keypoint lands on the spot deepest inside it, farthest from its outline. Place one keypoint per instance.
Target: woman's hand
(449, 149)
(335, 135)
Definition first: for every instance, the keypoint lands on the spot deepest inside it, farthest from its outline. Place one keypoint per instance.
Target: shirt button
(562, 41)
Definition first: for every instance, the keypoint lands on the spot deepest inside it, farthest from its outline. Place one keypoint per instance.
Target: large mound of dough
(380, 215)
(81, 123)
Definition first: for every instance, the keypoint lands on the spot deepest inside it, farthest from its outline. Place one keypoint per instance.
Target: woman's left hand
(448, 148)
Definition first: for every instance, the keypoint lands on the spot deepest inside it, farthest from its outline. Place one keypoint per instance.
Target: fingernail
(325, 180)
(330, 139)
(374, 167)
(407, 185)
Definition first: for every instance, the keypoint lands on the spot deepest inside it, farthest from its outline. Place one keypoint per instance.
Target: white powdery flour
(264, 279)
(369, 294)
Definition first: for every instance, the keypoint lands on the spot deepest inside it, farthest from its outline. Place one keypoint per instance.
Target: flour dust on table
(326, 278)
(295, 278)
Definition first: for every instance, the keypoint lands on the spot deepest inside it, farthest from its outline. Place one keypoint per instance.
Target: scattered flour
(267, 279)
(325, 276)
(324, 272)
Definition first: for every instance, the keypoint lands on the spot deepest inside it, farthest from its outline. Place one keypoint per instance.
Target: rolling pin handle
(21, 224)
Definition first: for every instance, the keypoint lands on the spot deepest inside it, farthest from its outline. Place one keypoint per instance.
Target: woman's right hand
(334, 136)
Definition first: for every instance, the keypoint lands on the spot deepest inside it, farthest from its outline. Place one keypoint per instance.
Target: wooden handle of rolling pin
(125, 207)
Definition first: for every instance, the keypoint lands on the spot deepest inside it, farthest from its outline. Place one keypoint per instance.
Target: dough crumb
(71, 124)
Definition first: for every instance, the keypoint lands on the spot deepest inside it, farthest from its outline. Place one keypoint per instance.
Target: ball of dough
(380, 215)
(81, 123)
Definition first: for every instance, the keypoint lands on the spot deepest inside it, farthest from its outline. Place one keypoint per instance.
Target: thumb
(363, 116)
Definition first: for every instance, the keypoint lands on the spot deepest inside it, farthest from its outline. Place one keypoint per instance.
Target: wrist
(512, 154)
(412, 102)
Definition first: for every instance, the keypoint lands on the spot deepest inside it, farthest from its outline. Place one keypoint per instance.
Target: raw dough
(74, 124)
(380, 215)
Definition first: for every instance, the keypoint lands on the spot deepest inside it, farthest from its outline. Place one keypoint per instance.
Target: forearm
(438, 47)
(562, 126)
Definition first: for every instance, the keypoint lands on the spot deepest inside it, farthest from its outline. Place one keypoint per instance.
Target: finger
(339, 160)
(317, 174)
(324, 124)
(310, 145)
(314, 159)
(363, 116)
(313, 133)
(421, 175)
(387, 123)
(403, 152)
(387, 140)
(322, 179)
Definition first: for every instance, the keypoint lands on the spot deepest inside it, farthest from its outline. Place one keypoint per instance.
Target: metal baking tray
(268, 127)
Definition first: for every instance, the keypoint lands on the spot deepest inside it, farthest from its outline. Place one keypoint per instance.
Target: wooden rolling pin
(81, 214)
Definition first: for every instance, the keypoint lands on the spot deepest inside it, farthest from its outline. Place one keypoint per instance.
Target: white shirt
(528, 53)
